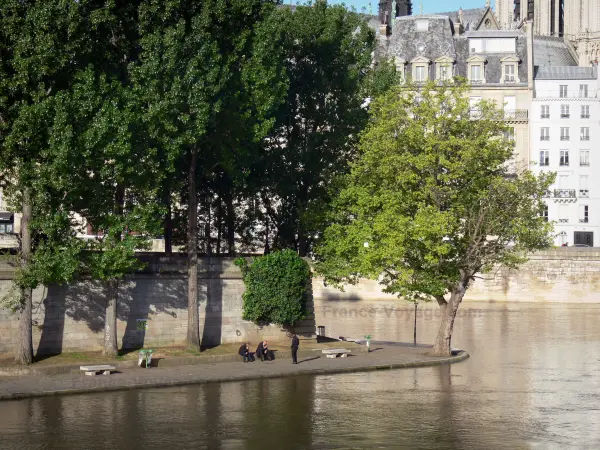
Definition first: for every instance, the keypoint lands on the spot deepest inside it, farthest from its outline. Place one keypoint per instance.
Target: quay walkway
(381, 357)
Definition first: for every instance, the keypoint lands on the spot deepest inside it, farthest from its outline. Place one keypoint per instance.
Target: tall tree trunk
(168, 224)
(193, 330)
(112, 298)
(301, 240)
(110, 324)
(207, 229)
(443, 340)
(267, 246)
(219, 225)
(24, 352)
(230, 222)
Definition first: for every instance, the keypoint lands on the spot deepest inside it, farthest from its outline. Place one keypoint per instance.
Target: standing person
(295, 345)
(268, 356)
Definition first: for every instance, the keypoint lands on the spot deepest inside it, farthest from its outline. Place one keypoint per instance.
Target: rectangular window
(419, 73)
(545, 111)
(584, 213)
(563, 214)
(510, 74)
(422, 25)
(2, 228)
(544, 134)
(564, 112)
(474, 106)
(564, 157)
(545, 212)
(444, 73)
(564, 134)
(9, 227)
(585, 111)
(476, 74)
(563, 181)
(583, 90)
(563, 91)
(584, 191)
(584, 157)
(585, 134)
(544, 157)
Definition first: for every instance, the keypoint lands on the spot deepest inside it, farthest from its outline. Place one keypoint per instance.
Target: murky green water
(533, 381)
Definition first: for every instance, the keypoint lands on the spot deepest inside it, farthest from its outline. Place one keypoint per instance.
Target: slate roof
(551, 51)
(440, 41)
(565, 73)
(471, 17)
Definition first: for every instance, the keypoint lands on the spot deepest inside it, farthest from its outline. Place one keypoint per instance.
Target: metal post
(415, 329)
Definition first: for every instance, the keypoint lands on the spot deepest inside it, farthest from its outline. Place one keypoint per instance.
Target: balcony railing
(584, 193)
(565, 138)
(585, 220)
(584, 138)
(516, 114)
(545, 116)
(585, 116)
(584, 164)
(565, 116)
(564, 193)
(563, 220)
(544, 138)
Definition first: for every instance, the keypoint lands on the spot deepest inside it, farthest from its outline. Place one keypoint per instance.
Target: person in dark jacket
(295, 345)
(263, 351)
(244, 352)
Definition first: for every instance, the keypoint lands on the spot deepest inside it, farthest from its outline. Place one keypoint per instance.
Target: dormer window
(422, 25)
(400, 68)
(420, 69)
(510, 69)
(476, 69)
(444, 68)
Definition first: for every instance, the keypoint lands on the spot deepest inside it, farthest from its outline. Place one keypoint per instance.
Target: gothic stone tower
(402, 8)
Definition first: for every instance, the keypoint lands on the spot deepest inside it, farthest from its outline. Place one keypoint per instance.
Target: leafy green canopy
(432, 198)
(327, 52)
(276, 288)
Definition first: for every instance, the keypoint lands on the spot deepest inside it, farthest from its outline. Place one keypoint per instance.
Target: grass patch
(72, 358)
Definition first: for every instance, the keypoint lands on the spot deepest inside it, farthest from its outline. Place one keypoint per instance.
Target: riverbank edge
(160, 362)
(462, 356)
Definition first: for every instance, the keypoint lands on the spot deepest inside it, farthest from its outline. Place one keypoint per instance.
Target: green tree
(97, 137)
(210, 77)
(276, 288)
(42, 45)
(327, 54)
(433, 197)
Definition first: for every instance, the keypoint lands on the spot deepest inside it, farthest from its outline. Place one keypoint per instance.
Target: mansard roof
(471, 17)
(551, 51)
(565, 73)
(440, 40)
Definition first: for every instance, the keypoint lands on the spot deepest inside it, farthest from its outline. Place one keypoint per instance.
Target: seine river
(533, 381)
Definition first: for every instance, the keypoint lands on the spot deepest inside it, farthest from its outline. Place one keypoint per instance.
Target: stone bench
(335, 352)
(94, 370)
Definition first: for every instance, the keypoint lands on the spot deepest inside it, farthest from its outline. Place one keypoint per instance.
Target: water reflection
(532, 380)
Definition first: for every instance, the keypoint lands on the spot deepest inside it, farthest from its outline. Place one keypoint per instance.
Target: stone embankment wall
(564, 274)
(71, 318)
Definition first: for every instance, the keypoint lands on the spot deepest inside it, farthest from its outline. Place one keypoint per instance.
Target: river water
(533, 381)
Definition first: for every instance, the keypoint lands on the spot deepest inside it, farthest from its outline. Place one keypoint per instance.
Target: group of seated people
(262, 352)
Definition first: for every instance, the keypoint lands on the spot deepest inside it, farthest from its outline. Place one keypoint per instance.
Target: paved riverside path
(385, 357)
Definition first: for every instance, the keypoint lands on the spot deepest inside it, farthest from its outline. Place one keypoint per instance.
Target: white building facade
(565, 139)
